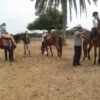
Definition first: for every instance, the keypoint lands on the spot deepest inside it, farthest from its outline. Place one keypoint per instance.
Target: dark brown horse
(92, 43)
(87, 44)
(52, 40)
(9, 48)
(96, 44)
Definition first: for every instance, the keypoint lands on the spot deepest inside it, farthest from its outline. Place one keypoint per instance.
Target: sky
(17, 14)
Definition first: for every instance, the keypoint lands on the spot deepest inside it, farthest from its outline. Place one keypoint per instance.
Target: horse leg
(12, 54)
(46, 48)
(99, 56)
(42, 48)
(89, 49)
(60, 52)
(84, 50)
(95, 54)
(11, 59)
(57, 48)
(6, 57)
(60, 47)
(51, 50)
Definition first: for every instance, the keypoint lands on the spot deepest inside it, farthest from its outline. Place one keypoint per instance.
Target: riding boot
(94, 33)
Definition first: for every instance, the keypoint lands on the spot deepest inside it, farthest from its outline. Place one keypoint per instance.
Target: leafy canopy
(51, 19)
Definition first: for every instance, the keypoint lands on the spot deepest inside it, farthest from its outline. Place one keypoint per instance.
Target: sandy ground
(48, 78)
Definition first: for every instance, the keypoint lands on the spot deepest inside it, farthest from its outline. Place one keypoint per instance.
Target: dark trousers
(94, 32)
(77, 55)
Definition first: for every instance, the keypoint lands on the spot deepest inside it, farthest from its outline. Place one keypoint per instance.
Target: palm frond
(89, 1)
(70, 8)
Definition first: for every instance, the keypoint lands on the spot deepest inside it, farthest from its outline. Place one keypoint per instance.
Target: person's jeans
(77, 55)
(94, 32)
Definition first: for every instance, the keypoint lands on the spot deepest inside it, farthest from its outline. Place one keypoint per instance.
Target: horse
(52, 40)
(96, 44)
(87, 44)
(92, 43)
(9, 48)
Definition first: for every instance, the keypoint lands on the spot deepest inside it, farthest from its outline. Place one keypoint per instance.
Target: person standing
(44, 37)
(27, 45)
(77, 46)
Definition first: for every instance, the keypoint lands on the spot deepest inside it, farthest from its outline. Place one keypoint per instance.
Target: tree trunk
(64, 12)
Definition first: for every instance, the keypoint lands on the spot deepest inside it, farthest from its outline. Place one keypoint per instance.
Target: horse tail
(60, 45)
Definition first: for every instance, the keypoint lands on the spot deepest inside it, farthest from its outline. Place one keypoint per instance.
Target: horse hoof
(59, 55)
(98, 63)
(94, 64)
(6, 59)
(11, 60)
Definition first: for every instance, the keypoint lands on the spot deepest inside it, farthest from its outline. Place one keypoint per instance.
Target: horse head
(18, 37)
(86, 34)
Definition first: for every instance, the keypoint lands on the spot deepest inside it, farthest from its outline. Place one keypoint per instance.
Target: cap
(95, 13)
(3, 24)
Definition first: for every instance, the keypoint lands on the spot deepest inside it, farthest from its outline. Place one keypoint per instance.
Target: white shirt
(95, 23)
(45, 34)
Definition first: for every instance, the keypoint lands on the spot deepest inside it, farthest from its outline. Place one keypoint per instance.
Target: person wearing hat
(77, 46)
(27, 45)
(95, 24)
(44, 36)
(5, 34)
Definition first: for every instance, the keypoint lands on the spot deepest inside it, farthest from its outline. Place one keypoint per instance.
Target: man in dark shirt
(27, 45)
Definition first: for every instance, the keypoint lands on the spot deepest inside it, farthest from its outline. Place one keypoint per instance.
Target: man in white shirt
(95, 24)
(44, 35)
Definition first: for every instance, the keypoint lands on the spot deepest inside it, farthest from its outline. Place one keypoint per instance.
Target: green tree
(52, 19)
(42, 5)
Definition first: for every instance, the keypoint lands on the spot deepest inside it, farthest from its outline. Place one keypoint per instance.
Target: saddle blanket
(6, 42)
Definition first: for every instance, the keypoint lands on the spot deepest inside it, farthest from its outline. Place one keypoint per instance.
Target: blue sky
(18, 13)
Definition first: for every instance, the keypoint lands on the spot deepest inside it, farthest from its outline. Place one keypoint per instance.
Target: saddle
(6, 42)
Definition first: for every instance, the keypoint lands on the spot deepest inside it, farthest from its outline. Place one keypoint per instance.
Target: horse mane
(17, 37)
(86, 34)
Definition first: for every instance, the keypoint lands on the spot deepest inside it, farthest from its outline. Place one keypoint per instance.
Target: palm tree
(43, 5)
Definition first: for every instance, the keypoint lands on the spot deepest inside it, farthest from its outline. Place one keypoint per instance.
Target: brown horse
(88, 41)
(9, 48)
(96, 44)
(52, 40)
(87, 44)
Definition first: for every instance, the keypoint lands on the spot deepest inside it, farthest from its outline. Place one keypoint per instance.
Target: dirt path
(48, 78)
